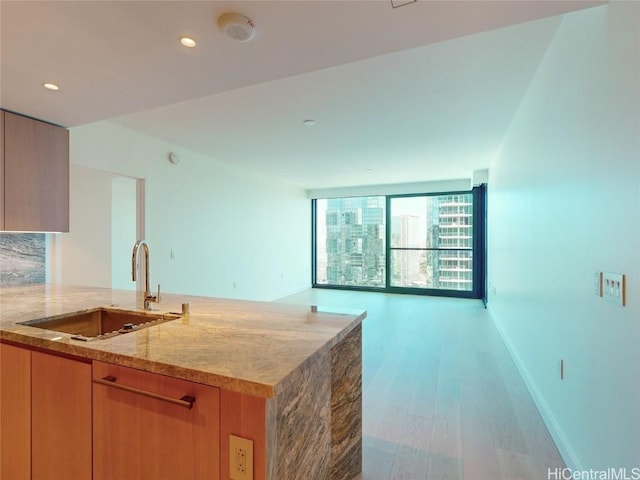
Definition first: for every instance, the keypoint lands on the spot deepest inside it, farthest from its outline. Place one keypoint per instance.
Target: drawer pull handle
(110, 381)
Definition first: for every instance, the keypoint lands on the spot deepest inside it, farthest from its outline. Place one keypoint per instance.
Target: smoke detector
(237, 27)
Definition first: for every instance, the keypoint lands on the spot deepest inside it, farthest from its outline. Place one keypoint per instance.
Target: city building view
(453, 265)
(350, 241)
(431, 242)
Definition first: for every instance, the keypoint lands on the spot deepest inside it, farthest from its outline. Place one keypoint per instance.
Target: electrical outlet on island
(240, 458)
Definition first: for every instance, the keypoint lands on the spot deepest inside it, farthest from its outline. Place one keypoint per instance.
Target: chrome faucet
(148, 298)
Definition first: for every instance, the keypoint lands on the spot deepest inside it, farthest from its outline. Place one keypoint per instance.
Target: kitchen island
(287, 377)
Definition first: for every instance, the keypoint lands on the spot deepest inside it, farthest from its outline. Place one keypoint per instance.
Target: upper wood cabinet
(34, 160)
(1, 170)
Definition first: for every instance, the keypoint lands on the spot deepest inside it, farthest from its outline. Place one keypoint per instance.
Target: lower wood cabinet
(15, 412)
(149, 426)
(45, 416)
(64, 418)
(60, 418)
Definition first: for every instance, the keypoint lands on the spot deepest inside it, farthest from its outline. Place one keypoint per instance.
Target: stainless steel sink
(101, 323)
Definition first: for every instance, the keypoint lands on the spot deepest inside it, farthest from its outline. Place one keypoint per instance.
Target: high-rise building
(355, 241)
(452, 230)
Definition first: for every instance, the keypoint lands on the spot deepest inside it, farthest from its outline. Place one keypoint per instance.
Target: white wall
(83, 256)
(123, 230)
(564, 202)
(234, 234)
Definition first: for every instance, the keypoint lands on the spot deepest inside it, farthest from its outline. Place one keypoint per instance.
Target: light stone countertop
(243, 346)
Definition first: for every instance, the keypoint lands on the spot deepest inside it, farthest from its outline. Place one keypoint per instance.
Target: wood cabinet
(15, 412)
(45, 416)
(54, 424)
(1, 170)
(35, 180)
(146, 426)
(61, 417)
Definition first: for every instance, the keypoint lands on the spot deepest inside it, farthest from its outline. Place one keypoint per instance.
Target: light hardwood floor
(442, 398)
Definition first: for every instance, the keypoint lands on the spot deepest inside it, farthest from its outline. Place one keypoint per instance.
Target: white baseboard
(561, 441)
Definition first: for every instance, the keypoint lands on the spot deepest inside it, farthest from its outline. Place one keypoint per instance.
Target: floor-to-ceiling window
(431, 243)
(423, 243)
(350, 237)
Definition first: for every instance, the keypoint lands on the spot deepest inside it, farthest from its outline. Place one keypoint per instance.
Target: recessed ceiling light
(51, 86)
(187, 42)
(309, 122)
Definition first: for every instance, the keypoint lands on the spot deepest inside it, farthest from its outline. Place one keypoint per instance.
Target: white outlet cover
(240, 450)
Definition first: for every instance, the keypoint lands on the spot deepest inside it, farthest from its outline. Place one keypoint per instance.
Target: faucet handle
(152, 298)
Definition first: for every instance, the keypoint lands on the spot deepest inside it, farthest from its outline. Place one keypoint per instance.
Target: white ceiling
(421, 92)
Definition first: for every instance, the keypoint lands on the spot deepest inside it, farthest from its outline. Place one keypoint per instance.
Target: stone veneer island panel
(303, 423)
(316, 423)
(346, 406)
(312, 429)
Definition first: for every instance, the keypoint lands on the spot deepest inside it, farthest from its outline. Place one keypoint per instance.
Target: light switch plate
(240, 458)
(613, 288)
(597, 284)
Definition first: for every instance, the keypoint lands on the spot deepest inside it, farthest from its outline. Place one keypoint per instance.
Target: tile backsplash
(22, 258)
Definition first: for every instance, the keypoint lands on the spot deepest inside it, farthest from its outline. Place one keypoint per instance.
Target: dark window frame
(478, 250)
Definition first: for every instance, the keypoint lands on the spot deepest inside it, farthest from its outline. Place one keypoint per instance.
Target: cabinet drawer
(147, 425)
